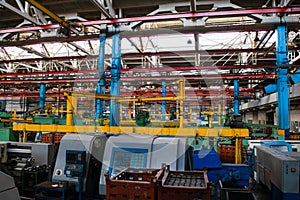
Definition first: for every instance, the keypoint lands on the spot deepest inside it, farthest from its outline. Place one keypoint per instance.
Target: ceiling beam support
(21, 12)
(79, 48)
(102, 8)
(163, 17)
(65, 24)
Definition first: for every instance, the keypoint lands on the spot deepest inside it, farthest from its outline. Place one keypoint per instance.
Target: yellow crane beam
(62, 22)
(191, 132)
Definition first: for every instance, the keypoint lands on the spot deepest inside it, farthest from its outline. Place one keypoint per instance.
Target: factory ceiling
(208, 43)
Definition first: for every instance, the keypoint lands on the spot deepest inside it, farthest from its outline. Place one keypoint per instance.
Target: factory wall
(21, 105)
(270, 116)
(262, 117)
(248, 117)
(295, 119)
(295, 114)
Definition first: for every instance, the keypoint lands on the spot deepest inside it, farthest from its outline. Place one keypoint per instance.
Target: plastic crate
(184, 185)
(226, 153)
(47, 138)
(138, 184)
(57, 137)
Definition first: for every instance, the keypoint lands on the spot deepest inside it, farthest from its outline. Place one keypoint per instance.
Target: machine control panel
(75, 163)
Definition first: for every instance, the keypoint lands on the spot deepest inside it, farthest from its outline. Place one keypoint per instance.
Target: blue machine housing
(236, 174)
(210, 160)
(295, 78)
(270, 88)
(206, 159)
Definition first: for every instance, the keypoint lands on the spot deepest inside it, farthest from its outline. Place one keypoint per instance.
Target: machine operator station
(109, 153)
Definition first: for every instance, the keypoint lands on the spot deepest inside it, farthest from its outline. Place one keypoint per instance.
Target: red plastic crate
(226, 153)
(57, 137)
(47, 138)
(137, 184)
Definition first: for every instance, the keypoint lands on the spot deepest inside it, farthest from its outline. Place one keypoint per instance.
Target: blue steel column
(236, 96)
(42, 97)
(282, 81)
(100, 103)
(163, 103)
(115, 80)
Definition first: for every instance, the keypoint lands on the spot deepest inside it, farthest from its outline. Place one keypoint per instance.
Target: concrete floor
(261, 192)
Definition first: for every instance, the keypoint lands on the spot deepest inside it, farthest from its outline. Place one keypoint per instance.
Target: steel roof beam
(140, 33)
(79, 48)
(20, 12)
(65, 24)
(101, 7)
(141, 70)
(224, 13)
(31, 50)
(135, 70)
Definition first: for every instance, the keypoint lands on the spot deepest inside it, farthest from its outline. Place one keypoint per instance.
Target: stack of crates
(57, 137)
(226, 153)
(53, 138)
(47, 138)
(155, 184)
(138, 184)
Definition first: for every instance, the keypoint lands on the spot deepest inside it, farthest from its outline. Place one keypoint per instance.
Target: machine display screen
(74, 157)
(127, 157)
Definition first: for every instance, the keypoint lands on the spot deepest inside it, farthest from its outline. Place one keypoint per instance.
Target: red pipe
(137, 70)
(171, 78)
(48, 81)
(191, 91)
(18, 95)
(192, 95)
(126, 91)
(208, 77)
(163, 17)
